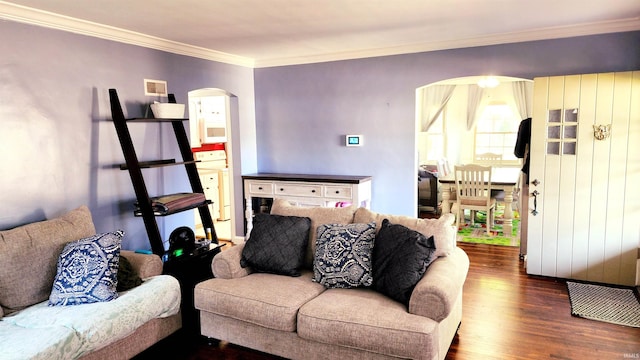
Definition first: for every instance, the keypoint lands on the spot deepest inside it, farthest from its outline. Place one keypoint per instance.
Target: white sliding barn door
(587, 225)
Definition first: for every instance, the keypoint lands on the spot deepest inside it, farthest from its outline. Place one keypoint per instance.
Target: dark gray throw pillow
(277, 244)
(127, 277)
(400, 258)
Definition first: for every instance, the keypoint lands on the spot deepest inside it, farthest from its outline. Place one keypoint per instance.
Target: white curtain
(473, 102)
(523, 95)
(432, 100)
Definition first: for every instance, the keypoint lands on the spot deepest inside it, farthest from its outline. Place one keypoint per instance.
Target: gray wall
(304, 111)
(58, 144)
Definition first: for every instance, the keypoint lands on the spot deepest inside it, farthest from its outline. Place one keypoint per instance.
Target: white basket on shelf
(167, 110)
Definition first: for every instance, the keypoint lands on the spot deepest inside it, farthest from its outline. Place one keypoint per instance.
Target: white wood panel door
(586, 223)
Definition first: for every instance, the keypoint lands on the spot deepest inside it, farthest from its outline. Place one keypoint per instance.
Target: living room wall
(58, 144)
(304, 111)
(59, 147)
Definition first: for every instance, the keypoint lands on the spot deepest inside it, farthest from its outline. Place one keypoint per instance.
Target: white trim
(631, 24)
(47, 19)
(55, 21)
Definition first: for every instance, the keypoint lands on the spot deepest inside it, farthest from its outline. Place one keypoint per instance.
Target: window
(562, 132)
(431, 143)
(496, 131)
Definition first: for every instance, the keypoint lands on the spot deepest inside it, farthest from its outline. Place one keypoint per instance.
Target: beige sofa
(297, 318)
(28, 260)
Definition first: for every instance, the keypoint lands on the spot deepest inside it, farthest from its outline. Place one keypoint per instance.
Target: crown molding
(558, 32)
(47, 19)
(51, 20)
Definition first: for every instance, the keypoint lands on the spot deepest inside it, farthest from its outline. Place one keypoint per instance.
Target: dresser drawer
(214, 155)
(289, 189)
(260, 188)
(338, 192)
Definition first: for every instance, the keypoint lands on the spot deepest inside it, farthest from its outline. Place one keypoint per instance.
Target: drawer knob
(313, 190)
(281, 189)
(337, 191)
(260, 188)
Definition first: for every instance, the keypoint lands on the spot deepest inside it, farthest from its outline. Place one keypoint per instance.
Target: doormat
(604, 303)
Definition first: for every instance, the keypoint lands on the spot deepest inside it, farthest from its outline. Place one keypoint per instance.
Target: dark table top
(341, 179)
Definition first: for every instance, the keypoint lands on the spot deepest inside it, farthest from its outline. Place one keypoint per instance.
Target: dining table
(502, 178)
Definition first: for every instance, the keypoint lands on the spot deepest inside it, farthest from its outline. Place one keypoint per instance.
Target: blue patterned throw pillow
(87, 270)
(343, 255)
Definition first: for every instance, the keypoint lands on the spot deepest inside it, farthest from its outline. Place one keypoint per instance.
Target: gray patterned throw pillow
(343, 255)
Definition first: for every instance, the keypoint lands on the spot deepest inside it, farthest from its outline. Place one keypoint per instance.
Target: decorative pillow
(127, 277)
(400, 258)
(87, 270)
(318, 215)
(343, 255)
(277, 244)
(442, 229)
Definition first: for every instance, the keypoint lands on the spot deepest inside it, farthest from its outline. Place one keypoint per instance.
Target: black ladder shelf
(134, 167)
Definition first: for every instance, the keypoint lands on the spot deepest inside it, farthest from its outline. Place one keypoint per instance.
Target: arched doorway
(210, 132)
(459, 119)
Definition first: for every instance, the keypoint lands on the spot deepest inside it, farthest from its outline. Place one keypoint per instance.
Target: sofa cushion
(87, 270)
(380, 324)
(277, 244)
(400, 258)
(343, 255)
(442, 229)
(318, 216)
(38, 332)
(267, 300)
(29, 254)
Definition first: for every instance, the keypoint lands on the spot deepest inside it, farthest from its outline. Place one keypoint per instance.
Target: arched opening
(210, 114)
(466, 120)
(457, 119)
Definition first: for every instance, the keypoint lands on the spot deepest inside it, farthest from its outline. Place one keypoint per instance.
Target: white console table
(306, 190)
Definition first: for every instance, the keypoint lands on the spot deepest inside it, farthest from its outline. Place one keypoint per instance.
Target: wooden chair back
(473, 184)
(488, 157)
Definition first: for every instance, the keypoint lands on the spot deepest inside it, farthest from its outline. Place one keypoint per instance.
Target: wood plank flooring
(507, 314)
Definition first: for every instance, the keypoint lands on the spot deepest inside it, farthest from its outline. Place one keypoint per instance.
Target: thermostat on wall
(353, 140)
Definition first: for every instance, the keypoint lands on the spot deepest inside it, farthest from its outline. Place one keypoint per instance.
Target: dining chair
(488, 157)
(473, 184)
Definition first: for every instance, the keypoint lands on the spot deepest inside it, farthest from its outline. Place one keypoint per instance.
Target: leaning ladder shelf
(134, 167)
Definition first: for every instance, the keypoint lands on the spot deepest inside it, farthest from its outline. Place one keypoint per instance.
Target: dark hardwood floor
(507, 314)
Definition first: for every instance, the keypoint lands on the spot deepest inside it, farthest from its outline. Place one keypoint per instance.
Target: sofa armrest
(145, 265)
(226, 264)
(436, 293)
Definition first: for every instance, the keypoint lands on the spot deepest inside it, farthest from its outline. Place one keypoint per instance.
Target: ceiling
(262, 33)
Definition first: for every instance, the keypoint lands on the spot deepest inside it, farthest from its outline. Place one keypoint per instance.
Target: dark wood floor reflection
(507, 314)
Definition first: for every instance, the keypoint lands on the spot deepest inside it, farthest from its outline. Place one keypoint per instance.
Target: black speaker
(182, 241)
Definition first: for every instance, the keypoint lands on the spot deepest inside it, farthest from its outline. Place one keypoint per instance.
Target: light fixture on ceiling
(488, 82)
